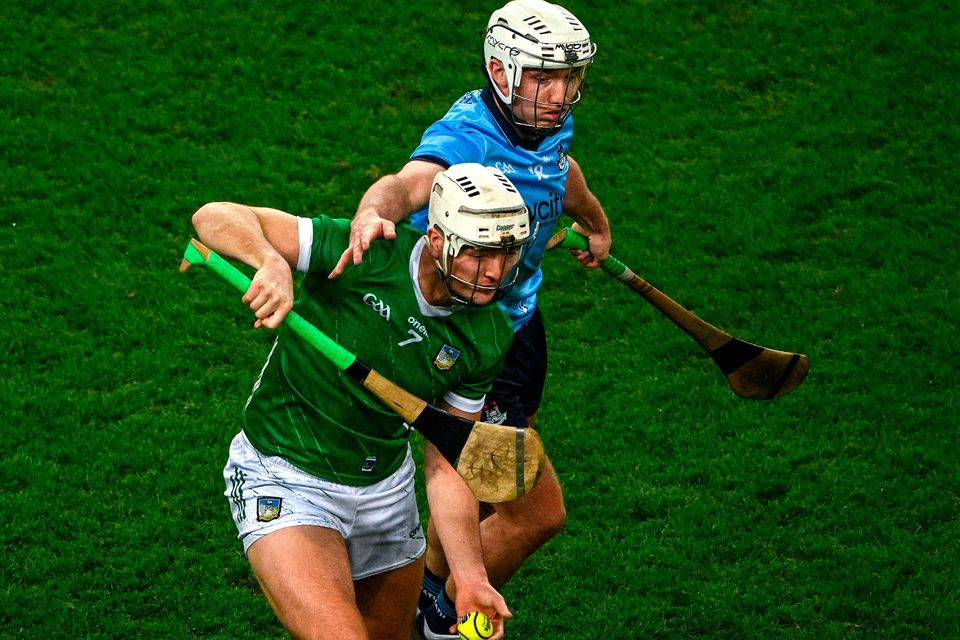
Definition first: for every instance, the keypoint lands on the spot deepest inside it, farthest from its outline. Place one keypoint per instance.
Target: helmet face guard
(548, 43)
(481, 217)
(510, 257)
(539, 109)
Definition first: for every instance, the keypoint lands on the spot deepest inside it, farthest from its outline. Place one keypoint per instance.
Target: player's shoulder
(467, 126)
(469, 111)
(407, 235)
(392, 253)
(469, 99)
(503, 323)
(497, 323)
(384, 251)
(325, 224)
(323, 219)
(330, 231)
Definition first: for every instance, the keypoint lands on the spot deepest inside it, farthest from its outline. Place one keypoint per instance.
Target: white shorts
(380, 523)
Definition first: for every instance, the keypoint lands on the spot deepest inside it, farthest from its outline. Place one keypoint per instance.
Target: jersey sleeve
(467, 405)
(330, 237)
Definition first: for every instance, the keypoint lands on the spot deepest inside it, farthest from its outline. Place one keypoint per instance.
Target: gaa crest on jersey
(561, 157)
(268, 509)
(446, 358)
(378, 305)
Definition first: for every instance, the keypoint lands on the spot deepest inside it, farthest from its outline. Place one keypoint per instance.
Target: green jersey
(320, 419)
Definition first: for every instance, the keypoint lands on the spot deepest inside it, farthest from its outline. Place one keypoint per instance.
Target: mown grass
(785, 171)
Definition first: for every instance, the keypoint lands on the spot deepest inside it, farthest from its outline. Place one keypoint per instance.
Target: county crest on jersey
(446, 358)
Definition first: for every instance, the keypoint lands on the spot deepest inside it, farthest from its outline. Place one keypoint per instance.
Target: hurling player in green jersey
(321, 480)
(536, 55)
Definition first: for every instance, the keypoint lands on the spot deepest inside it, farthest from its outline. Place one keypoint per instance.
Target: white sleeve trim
(305, 231)
(467, 405)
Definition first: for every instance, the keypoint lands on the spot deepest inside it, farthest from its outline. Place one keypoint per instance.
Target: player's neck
(432, 286)
(518, 136)
(528, 136)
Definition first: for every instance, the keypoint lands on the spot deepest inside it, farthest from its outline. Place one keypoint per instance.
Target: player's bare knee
(533, 528)
(540, 531)
(322, 632)
(556, 520)
(550, 522)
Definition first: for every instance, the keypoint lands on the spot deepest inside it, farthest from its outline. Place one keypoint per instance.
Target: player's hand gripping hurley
(497, 462)
(751, 370)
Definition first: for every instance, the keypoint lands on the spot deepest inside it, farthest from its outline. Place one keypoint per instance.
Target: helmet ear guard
(477, 207)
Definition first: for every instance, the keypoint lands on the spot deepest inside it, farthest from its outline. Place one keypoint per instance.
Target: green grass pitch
(786, 170)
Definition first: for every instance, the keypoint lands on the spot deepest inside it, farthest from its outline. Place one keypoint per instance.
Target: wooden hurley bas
(752, 371)
(498, 463)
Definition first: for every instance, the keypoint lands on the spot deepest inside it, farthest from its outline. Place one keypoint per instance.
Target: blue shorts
(517, 391)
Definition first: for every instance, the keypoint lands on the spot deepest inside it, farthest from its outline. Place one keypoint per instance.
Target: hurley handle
(197, 253)
(575, 238)
(706, 335)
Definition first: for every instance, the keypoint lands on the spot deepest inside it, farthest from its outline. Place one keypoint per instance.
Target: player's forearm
(591, 216)
(454, 512)
(387, 198)
(396, 196)
(581, 205)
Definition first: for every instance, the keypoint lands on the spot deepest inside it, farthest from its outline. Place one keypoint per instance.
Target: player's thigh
(546, 497)
(542, 507)
(388, 601)
(305, 574)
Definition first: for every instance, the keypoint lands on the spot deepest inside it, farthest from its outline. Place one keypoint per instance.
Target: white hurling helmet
(533, 34)
(477, 206)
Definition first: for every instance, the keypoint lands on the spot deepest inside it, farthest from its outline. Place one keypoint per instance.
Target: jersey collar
(426, 308)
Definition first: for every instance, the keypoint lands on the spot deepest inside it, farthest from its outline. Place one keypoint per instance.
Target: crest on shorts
(446, 358)
(268, 509)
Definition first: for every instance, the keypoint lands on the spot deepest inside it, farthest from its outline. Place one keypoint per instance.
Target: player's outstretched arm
(584, 207)
(454, 513)
(267, 240)
(388, 201)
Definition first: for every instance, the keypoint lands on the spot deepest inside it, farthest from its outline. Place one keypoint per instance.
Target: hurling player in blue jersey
(536, 56)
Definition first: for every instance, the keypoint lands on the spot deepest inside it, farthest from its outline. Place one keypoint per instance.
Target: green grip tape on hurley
(573, 240)
(319, 340)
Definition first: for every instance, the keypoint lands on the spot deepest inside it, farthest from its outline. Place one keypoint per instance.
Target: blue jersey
(475, 130)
